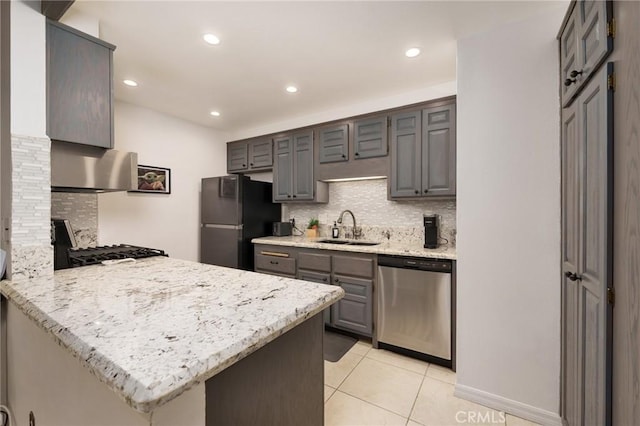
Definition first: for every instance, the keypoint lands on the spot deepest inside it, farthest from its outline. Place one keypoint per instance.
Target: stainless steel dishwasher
(414, 307)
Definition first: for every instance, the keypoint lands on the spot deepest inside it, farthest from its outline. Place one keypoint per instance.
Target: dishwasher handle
(423, 264)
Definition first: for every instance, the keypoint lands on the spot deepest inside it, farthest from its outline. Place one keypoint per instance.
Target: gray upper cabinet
(293, 172)
(237, 157)
(423, 153)
(334, 144)
(250, 156)
(585, 42)
(283, 169)
(79, 87)
(303, 166)
(370, 138)
(439, 151)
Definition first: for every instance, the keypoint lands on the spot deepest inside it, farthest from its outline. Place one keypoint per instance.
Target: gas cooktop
(95, 255)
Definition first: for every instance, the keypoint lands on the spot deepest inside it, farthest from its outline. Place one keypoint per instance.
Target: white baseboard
(509, 406)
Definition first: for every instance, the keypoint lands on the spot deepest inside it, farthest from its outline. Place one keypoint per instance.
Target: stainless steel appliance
(94, 255)
(415, 311)
(234, 210)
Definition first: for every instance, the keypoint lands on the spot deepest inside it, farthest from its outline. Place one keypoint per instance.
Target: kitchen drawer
(314, 261)
(281, 265)
(353, 266)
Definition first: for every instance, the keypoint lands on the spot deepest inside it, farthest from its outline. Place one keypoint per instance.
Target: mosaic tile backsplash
(380, 218)
(82, 211)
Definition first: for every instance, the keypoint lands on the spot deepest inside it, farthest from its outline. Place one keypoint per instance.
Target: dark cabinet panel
(303, 166)
(237, 157)
(439, 151)
(355, 311)
(316, 277)
(79, 87)
(334, 144)
(370, 138)
(280, 265)
(283, 169)
(261, 154)
(423, 153)
(314, 261)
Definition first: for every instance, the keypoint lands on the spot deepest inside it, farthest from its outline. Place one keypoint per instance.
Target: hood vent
(82, 168)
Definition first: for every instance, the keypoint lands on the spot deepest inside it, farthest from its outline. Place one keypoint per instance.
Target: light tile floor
(377, 387)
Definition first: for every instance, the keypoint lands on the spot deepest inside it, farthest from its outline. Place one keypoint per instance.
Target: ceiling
(336, 53)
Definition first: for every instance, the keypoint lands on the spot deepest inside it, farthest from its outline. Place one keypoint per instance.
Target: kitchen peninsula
(178, 342)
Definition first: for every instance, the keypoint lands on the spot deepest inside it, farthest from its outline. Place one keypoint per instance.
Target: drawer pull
(273, 262)
(274, 253)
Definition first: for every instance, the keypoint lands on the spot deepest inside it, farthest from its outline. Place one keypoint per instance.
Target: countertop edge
(145, 401)
(382, 249)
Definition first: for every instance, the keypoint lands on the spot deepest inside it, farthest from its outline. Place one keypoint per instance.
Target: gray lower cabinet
(250, 156)
(354, 312)
(334, 144)
(370, 138)
(317, 277)
(585, 42)
(79, 87)
(423, 153)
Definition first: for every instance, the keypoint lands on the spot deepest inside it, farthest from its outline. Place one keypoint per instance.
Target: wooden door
(587, 144)
(406, 166)
(439, 151)
(568, 58)
(334, 144)
(282, 170)
(595, 41)
(303, 166)
(355, 311)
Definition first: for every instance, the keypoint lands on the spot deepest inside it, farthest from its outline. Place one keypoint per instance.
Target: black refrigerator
(233, 210)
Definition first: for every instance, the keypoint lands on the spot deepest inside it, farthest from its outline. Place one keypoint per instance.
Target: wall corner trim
(509, 406)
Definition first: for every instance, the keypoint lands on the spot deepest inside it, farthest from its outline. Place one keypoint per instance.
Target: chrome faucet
(356, 231)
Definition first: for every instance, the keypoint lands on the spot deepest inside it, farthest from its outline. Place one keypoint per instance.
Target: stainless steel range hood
(82, 168)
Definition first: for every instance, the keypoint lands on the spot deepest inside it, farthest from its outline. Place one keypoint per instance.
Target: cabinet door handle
(294, 196)
(288, 196)
(575, 73)
(573, 276)
(324, 279)
(357, 154)
(244, 165)
(273, 262)
(569, 81)
(251, 164)
(426, 190)
(416, 191)
(337, 280)
(344, 156)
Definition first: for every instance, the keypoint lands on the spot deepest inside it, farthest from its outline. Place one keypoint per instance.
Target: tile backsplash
(82, 212)
(379, 217)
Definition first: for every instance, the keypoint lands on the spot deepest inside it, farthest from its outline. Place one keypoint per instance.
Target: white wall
(28, 70)
(364, 107)
(508, 218)
(168, 222)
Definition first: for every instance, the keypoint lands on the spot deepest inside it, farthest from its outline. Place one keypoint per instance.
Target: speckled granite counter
(445, 252)
(154, 328)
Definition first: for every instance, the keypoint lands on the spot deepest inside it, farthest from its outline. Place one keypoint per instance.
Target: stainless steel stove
(95, 255)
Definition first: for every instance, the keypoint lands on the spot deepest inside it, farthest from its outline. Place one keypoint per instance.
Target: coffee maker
(431, 230)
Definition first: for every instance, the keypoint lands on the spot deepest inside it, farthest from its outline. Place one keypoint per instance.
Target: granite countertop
(152, 329)
(387, 247)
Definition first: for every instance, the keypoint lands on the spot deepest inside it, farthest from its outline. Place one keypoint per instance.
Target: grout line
(404, 368)
(354, 367)
(371, 403)
(413, 406)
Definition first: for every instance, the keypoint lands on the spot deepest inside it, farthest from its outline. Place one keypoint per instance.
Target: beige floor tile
(441, 373)
(413, 423)
(384, 385)
(517, 421)
(343, 409)
(336, 372)
(436, 405)
(398, 360)
(361, 347)
(328, 391)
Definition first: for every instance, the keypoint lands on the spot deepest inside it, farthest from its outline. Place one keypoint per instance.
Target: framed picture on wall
(153, 180)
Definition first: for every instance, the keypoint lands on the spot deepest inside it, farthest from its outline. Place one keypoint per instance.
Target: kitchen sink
(349, 242)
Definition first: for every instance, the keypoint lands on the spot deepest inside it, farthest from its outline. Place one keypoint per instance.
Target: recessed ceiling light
(211, 39)
(215, 113)
(130, 83)
(292, 89)
(413, 52)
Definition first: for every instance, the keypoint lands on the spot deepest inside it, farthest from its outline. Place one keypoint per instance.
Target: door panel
(568, 57)
(334, 144)
(220, 202)
(317, 278)
(236, 157)
(220, 246)
(283, 171)
(303, 166)
(439, 151)
(593, 42)
(354, 312)
(592, 357)
(370, 138)
(261, 154)
(405, 162)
